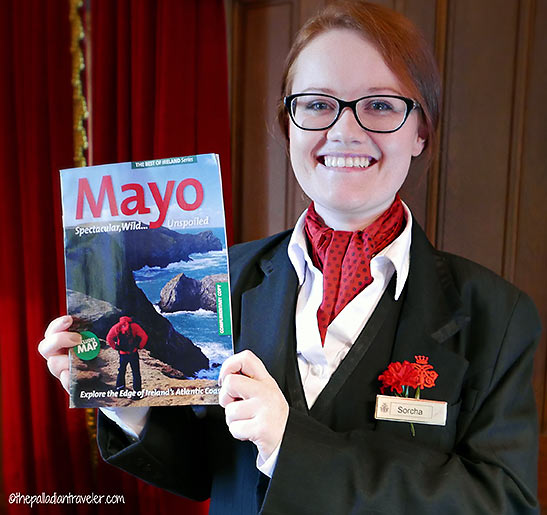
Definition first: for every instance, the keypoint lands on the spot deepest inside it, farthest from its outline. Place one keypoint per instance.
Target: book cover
(147, 281)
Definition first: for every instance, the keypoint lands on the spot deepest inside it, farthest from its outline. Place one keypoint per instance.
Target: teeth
(346, 162)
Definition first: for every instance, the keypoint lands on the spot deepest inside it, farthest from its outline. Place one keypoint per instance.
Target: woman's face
(341, 63)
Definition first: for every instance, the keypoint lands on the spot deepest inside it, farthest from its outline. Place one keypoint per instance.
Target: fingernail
(76, 338)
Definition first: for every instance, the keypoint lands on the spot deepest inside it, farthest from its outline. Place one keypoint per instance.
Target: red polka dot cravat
(344, 257)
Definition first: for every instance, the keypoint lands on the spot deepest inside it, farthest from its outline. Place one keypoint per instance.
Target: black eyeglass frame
(352, 104)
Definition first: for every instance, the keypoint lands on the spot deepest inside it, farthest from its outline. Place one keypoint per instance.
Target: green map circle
(90, 346)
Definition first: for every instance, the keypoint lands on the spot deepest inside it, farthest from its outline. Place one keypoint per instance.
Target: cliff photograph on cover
(147, 281)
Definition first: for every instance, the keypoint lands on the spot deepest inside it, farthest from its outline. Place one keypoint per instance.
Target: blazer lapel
(430, 318)
(268, 311)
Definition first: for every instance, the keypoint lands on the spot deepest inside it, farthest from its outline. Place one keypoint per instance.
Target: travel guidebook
(147, 281)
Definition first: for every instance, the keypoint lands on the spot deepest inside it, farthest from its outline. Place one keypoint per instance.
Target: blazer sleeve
(172, 452)
(492, 468)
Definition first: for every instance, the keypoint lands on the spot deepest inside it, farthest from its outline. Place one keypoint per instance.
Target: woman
(321, 311)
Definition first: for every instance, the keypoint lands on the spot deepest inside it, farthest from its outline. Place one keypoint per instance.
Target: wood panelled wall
(484, 197)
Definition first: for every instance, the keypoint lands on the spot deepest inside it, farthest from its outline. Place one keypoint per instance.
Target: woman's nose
(346, 128)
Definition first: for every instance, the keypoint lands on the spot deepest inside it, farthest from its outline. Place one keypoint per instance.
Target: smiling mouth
(347, 162)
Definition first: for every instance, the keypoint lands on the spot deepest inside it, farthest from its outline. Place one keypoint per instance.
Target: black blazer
(478, 331)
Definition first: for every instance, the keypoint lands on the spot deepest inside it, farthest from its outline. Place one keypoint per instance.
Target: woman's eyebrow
(313, 89)
(382, 89)
(372, 90)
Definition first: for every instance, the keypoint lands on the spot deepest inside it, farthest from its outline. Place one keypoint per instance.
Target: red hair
(399, 42)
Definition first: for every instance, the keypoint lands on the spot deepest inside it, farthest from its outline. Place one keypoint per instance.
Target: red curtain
(159, 89)
(45, 446)
(160, 82)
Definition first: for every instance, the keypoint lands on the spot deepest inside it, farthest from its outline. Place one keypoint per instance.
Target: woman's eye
(379, 106)
(318, 106)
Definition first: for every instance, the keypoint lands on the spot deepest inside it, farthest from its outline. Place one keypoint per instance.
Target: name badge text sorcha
(417, 411)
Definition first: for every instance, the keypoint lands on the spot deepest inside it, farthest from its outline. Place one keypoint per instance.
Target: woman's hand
(54, 347)
(255, 407)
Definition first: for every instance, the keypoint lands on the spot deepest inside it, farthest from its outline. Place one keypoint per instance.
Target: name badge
(417, 411)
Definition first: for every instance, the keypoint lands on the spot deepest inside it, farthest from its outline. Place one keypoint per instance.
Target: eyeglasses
(374, 113)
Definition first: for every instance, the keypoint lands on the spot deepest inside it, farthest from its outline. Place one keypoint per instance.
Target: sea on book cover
(147, 281)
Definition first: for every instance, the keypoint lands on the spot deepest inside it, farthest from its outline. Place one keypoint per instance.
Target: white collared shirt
(316, 362)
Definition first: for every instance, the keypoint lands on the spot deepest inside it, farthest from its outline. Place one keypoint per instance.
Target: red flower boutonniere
(401, 377)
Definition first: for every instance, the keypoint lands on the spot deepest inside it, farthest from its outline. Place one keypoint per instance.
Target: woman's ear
(419, 143)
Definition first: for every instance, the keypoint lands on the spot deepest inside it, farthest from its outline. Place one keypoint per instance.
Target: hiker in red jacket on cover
(127, 338)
